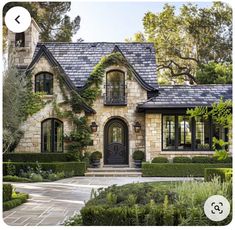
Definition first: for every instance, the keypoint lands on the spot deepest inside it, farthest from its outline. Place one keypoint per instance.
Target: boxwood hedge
(179, 169)
(40, 157)
(17, 199)
(79, 168)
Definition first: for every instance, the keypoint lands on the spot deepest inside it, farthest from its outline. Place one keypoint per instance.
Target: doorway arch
(116, 142)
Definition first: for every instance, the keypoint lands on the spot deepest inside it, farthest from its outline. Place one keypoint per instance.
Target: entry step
(112, 172)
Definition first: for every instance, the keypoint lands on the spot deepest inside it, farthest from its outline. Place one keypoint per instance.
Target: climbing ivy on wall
(92, 88)
(80, 136)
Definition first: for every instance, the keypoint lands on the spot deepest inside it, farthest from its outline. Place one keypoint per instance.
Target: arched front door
(116, 142)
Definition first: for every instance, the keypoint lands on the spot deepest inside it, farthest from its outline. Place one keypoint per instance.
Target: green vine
(80, 137)
(95, 80)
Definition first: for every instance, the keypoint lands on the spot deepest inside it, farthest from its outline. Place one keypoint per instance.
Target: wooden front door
(116, 143)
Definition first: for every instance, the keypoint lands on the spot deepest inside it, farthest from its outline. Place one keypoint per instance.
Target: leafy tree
(214, 73)
(221, 113)
(51, 18)
(186, 41)
(13, 92)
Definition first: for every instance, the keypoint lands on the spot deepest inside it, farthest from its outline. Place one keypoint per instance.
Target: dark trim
(193, 134)
(52, 120)
(126, 138)
(106, 97)
(44, 85)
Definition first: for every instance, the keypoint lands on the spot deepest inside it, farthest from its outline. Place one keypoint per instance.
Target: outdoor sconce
(94, 127)
(137, 127)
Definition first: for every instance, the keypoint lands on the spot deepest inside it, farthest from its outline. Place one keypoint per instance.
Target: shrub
(182, 160)
(225, 174)
(15, 179)
(17, 199)
(160, 160)
(36, 177)
(40, 157)
(78, 168)
(96, 155)
(11, 170)
(7, 192)
(202, 159)
(138, 155)
(179, 169)
(226, 160)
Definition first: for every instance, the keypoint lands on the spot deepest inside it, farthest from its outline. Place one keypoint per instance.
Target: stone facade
(22, 56)
(135, 94)
(31, 140)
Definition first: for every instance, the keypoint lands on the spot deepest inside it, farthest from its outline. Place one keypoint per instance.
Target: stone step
(113, 170)
(113, 174)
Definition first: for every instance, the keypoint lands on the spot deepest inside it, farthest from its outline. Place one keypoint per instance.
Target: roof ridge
(96, 43)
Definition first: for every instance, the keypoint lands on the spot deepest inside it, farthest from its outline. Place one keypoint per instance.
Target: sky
(114, 21)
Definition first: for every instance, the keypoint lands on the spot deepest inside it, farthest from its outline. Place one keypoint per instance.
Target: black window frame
(107, 99)
(52, 120)
(18, 37)
(37, 84)
(193, 135)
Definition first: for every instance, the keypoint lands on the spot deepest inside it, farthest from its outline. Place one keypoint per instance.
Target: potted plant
(95, 158)
(138, 157)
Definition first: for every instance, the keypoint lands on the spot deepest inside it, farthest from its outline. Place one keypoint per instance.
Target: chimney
(21, 46)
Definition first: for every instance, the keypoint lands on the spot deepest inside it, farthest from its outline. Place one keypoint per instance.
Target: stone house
(132, 112)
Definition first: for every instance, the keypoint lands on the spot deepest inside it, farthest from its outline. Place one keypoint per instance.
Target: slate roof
(184, 96)
(79, 59)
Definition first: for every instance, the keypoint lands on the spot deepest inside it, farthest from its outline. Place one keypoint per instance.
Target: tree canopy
(188, 41)
(52, 18)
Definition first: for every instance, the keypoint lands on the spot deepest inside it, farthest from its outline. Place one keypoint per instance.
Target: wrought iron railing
(115, 95)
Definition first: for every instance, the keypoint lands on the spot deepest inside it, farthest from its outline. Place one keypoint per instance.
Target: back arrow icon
(16, 19)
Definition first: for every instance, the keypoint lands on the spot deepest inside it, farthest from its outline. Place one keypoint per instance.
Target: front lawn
(145, 204)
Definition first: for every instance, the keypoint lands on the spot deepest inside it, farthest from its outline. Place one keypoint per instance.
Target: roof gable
(79, 59)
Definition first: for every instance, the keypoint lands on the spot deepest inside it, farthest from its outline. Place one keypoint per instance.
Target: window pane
(115, 87)
(58, 132)
(116, 133)
(184, 133)
(168, 132)
(202, 134)
(44, 83)
(219, 133)
(47, 138)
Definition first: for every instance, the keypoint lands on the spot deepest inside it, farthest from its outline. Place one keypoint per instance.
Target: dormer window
(115, 88)
(44, 83)
(20, 39)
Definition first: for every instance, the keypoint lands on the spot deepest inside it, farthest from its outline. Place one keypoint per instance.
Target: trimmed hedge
(225, 174)
(202, 159)
(7, 192)
(179, 169)
(9, 178)
(17, 199)
(182, 160)
(160, 160)
(79, 168)
(40, 157)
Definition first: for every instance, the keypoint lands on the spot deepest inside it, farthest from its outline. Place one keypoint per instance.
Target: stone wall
(22, 56)
(31, 140)
(135, 95)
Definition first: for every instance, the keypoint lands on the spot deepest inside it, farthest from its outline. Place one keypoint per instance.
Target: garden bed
(152, 204)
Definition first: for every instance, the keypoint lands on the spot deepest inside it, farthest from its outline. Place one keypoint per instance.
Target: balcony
(115, 95)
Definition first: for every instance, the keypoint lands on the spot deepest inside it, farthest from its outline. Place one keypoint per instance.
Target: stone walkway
(53, 202)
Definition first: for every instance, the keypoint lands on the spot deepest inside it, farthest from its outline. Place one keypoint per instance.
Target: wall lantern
(137, 127)
(94, 127)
